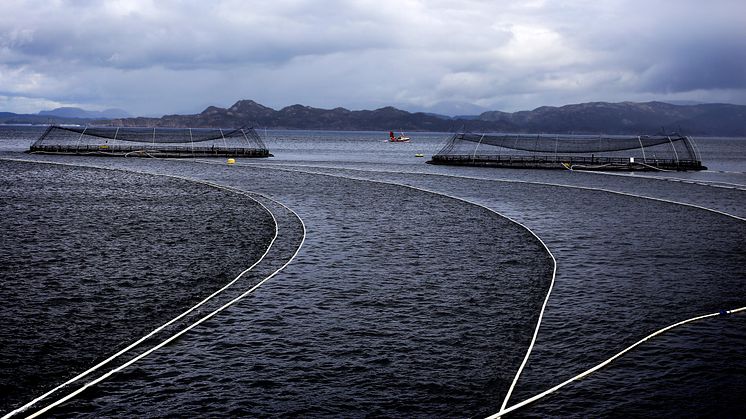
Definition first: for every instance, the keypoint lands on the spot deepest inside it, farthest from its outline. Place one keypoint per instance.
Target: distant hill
(583, 118)
(70, 112)
(16, 118)
(65, 115)
(628, 118)
(248, 112)
(586, 118)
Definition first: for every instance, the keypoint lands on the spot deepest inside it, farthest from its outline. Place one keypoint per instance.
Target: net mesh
(175, 142)
(663, 151)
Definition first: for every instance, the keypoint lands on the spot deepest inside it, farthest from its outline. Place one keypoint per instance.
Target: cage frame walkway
(150, 142)
(572, 152)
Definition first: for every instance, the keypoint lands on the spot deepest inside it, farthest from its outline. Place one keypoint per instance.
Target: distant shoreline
(625, 118)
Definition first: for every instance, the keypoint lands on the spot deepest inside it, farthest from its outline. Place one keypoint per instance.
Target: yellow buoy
(231, 161)
(419, 155)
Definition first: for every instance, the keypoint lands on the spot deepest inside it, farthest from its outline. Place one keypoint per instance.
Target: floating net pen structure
(577, 152)
(150, 142)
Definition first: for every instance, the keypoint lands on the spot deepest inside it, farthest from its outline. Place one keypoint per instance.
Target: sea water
(403, 302)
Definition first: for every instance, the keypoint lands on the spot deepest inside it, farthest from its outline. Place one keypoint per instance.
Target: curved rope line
(504, 411)
(517, 181)
(657, 169)
(551, 255)
(183, 331)
(588, 372)
(584, 168)
(701, 182)
(170, 322)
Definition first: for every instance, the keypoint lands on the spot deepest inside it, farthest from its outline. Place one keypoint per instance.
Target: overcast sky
(156, 57)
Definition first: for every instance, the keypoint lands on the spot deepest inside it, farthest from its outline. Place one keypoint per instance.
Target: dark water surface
(406, 303)
(627, 267)
(388, 311)
(94, 259)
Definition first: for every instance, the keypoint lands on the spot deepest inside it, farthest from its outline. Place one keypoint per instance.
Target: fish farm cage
(150, 142)
(575, 152)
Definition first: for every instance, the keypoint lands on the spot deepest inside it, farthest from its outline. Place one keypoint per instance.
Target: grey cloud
(182, 37)
(161, 57)
(670, 48)
(717, 64)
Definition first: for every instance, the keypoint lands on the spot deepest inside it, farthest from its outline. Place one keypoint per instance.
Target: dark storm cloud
(720, 64)
(670, 47)
(161, 56)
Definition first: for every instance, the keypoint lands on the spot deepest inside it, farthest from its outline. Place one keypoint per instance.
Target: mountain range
(64, 115)
(584, 118)
(70, 112)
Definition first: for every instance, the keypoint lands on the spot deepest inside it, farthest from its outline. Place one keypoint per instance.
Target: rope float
(701, 182)
(551, 255)
(170, 322)
(503, 409)
(526, 182)
(658, 169)
(185, 313)
(177, 335)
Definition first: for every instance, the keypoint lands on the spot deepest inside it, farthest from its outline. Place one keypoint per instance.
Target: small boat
(399, 139)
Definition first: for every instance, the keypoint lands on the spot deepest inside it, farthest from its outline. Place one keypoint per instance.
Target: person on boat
(391, 134)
